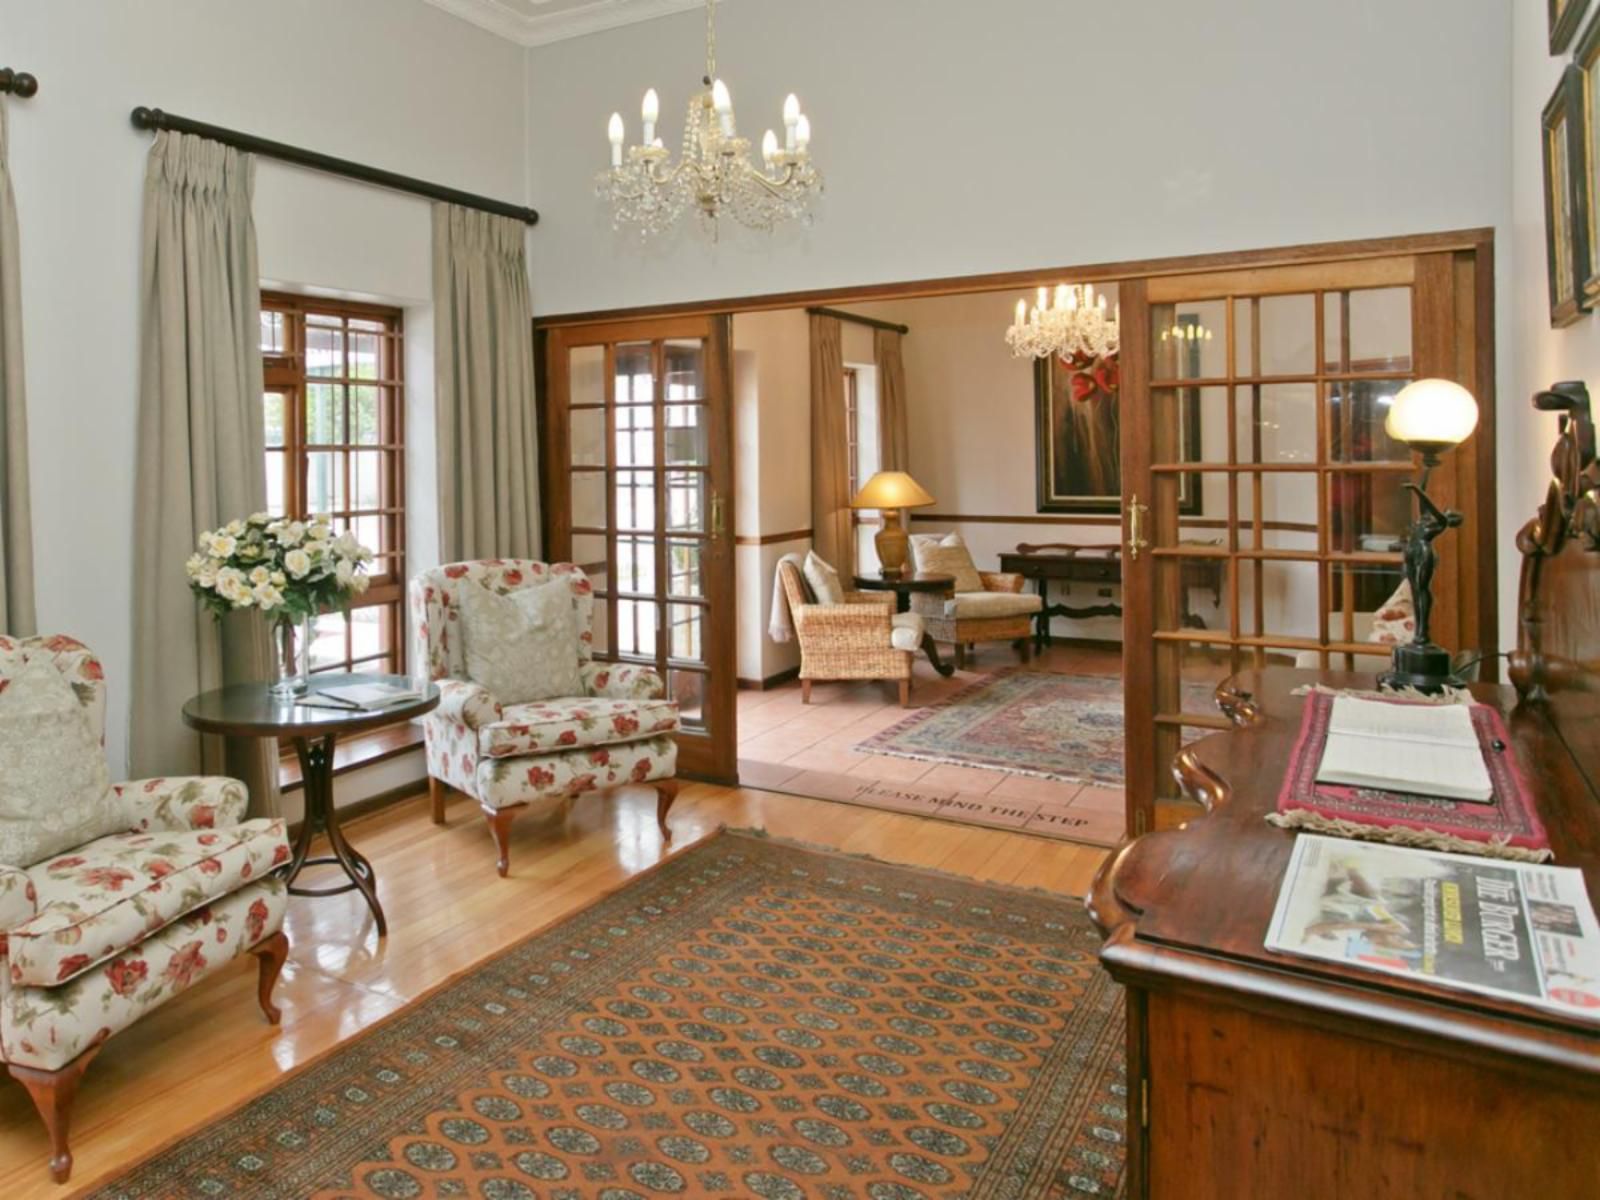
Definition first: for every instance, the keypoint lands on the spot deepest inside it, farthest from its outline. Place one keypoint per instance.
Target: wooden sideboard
(1253, 1073)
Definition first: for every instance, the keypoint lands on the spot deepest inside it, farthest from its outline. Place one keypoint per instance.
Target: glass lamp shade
(891, 489)
(1432, 415)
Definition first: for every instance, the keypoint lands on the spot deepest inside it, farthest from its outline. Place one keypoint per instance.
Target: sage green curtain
(894, 431)
(486, 428)
(200, 454)
(16, 522)
(832, 534)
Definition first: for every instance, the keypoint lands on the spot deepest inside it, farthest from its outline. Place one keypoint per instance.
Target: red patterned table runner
(1506, 827)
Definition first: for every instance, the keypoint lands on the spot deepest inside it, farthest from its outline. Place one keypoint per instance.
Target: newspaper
(1520, 931)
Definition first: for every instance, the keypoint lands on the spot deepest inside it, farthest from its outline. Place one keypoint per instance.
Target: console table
(1066, 563)
(1252, 1073)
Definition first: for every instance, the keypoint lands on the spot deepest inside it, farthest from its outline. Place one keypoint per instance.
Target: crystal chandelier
(1186, 333)
(1073, 322)
(714, 172)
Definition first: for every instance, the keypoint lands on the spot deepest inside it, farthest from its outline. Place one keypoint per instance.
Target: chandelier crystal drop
(1071, 322)
(715, 173)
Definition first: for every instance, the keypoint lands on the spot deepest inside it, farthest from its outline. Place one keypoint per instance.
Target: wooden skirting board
(770, 682)
(772, 539)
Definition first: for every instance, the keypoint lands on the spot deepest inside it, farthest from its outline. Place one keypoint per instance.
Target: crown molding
(540, 29)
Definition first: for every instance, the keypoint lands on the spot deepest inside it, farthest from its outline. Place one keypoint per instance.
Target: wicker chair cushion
(947, 556)
(978, 606)
(906, 630)
(824, 580)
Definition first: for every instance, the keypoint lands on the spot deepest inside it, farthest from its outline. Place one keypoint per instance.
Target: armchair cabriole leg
(500, 826)
(53, 1093)
(436, 799)
(805, 691)
(905, 693)
(271, 954)
(666, 793)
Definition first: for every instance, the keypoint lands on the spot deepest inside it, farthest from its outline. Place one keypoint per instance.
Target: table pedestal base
(316, 773)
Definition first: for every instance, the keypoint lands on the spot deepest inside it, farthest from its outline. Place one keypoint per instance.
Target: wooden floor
(210, 1050)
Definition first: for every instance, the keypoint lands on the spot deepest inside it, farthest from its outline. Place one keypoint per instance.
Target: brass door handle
(716, 515)
(1136, 513)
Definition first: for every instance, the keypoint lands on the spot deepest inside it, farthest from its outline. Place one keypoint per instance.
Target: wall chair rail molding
(155, 119)
(18, 83)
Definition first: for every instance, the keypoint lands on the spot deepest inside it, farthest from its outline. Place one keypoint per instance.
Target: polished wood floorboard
(210, 1050)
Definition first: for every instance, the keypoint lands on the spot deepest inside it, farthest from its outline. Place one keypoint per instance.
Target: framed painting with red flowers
(1078, 447)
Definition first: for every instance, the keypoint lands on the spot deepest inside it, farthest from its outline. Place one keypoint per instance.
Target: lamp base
(1422, 667)
(892, 545)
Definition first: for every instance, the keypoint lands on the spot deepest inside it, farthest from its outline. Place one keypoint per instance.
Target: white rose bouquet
(290, 570)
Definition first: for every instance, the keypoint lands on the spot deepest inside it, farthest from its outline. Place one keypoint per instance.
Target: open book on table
(1394, 746)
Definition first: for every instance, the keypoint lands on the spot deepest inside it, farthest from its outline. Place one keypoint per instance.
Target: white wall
(959, 138)
(398, 85)
(1540, 355)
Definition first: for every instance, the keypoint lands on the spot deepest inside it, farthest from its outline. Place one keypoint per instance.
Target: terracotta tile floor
(809, 750)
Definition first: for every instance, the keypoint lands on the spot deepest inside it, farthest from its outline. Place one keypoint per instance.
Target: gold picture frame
(1566, 204)
(1564, 18)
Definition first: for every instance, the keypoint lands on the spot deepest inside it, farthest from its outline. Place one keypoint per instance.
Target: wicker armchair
(1002, 612)
(863, 638)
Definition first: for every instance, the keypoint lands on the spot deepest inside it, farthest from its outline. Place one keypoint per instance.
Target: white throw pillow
(55, 790)
(522, 646)
(824, 580)
(947, 556)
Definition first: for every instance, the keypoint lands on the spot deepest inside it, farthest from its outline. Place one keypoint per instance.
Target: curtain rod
(859, 320)
(18, 83)
(154, 118)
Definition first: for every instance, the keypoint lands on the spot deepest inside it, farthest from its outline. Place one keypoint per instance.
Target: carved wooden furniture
(1098, 566)
(94, 937)
(1254, 1073)
(250, 710)
(863, 638)
(516, 759)
(909, 584)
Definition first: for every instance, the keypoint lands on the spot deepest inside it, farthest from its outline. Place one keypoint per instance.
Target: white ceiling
(536, 22)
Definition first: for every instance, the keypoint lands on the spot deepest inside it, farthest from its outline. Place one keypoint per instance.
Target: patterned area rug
(748, 1019)
(1066, 727)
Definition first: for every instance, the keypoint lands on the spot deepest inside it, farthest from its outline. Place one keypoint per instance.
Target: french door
(638, 453)
(1263, 501)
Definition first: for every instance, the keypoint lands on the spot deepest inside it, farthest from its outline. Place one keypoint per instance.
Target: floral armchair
(515, 759)
(94, 937)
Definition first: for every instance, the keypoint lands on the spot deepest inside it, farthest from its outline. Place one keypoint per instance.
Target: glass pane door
(641, 461)
(1264, 499)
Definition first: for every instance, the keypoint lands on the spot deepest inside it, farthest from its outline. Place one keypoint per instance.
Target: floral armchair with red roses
(113, 898)
(534, 757)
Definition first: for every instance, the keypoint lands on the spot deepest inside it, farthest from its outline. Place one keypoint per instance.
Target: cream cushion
(55, 790)
(947, 556)
(906, 631)
(824, 580)
(976, 606)
(522, 646)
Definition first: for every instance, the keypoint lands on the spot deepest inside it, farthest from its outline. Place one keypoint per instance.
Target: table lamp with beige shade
(892, 491)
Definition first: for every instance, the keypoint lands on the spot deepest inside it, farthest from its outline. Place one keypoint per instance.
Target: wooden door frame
(713, 757)
(1476, 299)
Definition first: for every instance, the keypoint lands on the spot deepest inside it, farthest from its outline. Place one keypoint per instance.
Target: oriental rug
(750, 1018)
(1062, 727)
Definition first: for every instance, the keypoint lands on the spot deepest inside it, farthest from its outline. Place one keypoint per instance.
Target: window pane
(588, 437)
(370, 533)
(367, 630)
(324, 347)
(365, 415)
(275, 481)
(636, 628)
(272, 325)
(636, 565)
(684, 577)
(636, 500)
(589, 499)
(688, 632)
(686, 435)
(688, 689)
(686, 500)
(324, 482)
(586, 368)
(685, 361)
(636, 439)
(327, 640)
(364, 359)
(635, 383)
(324, 414)
(273, 410)
(366, 473)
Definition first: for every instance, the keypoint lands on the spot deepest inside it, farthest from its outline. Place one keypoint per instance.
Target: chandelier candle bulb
(802, 133)
(791, 118)
(722, 102)
(616, 132)
(650, 110)
(769, 147)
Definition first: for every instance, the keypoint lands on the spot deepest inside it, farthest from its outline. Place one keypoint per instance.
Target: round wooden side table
(903, 586)
(250, 710)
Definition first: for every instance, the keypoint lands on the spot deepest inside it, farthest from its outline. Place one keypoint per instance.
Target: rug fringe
(1404, 835)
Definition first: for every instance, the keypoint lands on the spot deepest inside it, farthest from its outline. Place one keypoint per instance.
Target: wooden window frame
(286, 374)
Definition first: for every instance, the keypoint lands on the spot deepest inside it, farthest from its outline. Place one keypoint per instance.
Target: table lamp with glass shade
(891, 491)
(1431, 416)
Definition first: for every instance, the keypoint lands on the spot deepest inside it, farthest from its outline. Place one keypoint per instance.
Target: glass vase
(291, 657)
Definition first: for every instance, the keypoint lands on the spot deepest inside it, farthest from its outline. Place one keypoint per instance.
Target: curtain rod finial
(146, 118)
(18, 83)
